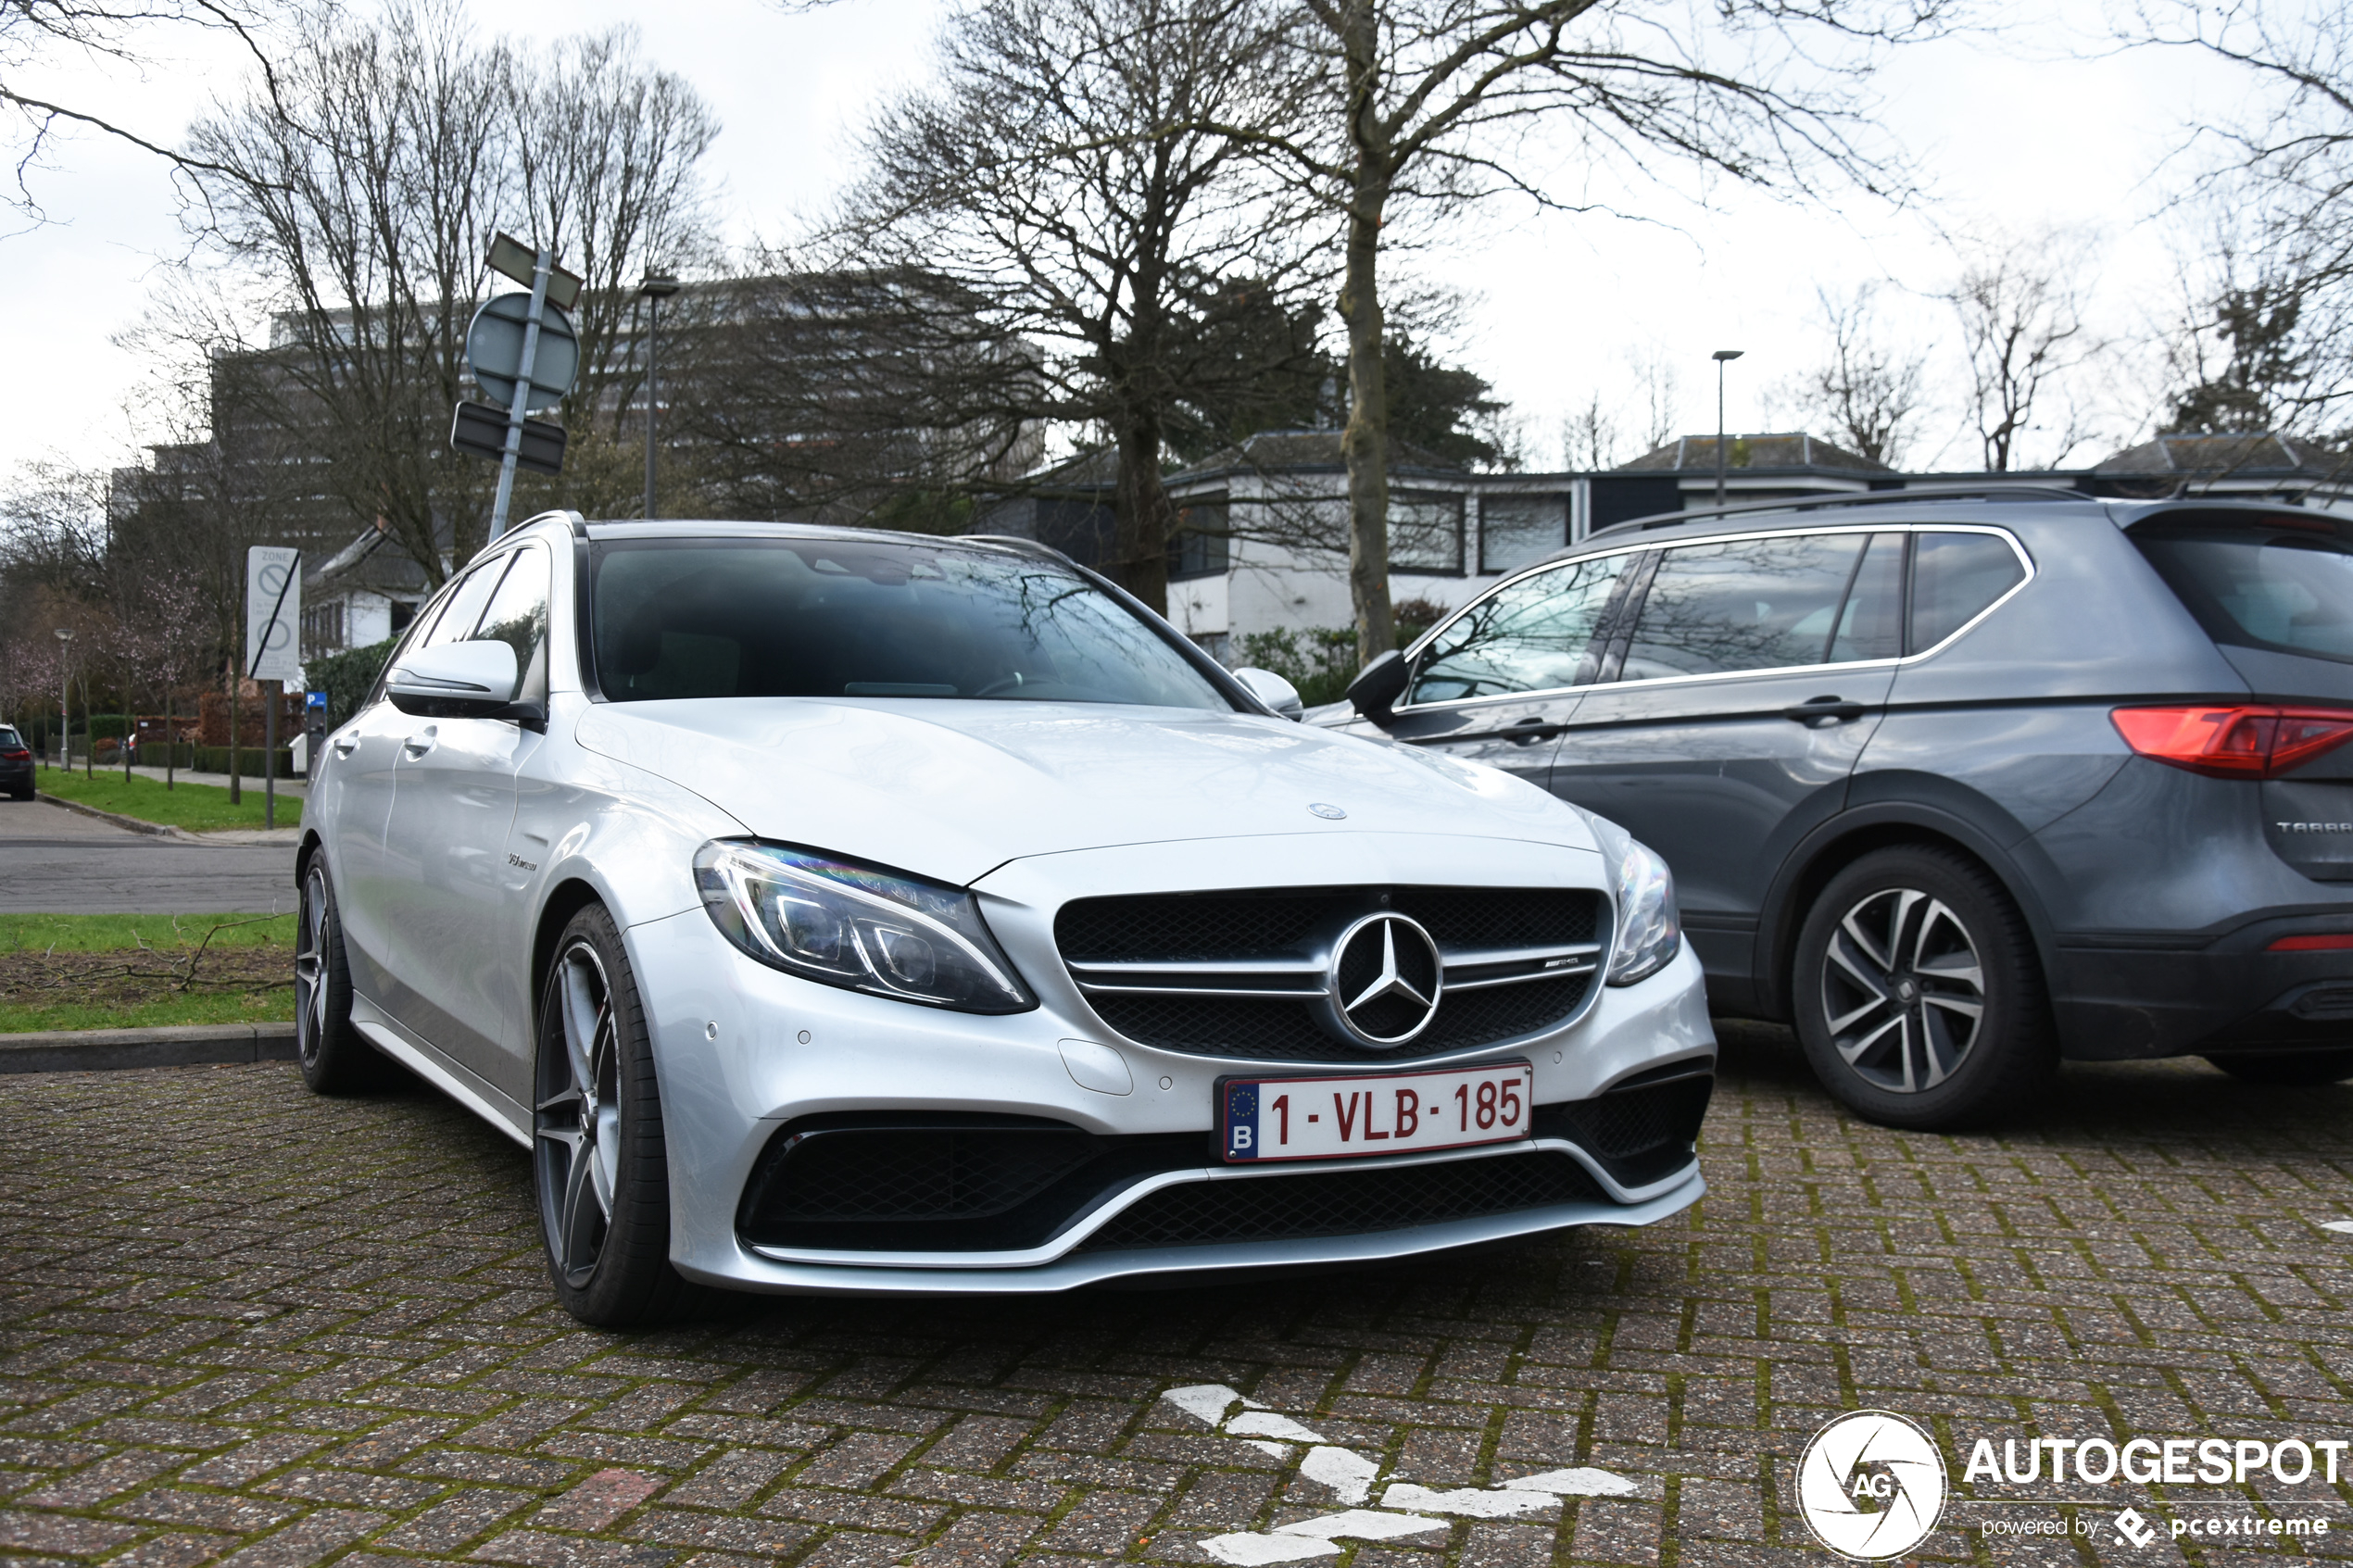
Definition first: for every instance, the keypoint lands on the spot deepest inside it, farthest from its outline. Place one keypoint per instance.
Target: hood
(952, 789)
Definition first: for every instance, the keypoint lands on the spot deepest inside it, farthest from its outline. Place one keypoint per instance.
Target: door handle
(343, 746)
(1824, 708)
(421, 742)
(1531, 728)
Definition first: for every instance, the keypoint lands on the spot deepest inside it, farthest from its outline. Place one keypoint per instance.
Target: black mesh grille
(923, 1174)
(1208, 928)
(1642, 1135)
(1344, 1202)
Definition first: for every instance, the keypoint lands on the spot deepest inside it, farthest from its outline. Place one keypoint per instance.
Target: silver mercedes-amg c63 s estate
(867, 913)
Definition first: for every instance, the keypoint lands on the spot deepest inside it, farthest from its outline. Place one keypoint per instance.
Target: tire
(335, 1058)
(600, 1169)
(2289, 1069)
(1917, 994)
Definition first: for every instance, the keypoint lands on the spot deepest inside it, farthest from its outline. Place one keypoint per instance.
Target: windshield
(8, 741)
(2287, 586)
(851, 617)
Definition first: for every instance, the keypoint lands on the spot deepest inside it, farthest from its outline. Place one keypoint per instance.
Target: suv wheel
(599, 1158)
(1917, 994)
(2289, 1069)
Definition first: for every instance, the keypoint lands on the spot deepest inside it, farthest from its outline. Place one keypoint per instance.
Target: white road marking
(1350, 1476)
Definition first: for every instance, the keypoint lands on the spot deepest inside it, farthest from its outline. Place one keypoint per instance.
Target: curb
(117, 819)
(98, 1050)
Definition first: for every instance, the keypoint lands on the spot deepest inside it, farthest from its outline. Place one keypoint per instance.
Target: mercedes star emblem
(1382, 987)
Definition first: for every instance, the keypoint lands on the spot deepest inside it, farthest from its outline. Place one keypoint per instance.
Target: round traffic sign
(494, 351)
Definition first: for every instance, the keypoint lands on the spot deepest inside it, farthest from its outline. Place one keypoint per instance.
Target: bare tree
(34, 32)
(2020, 305)
(362, 195)
(2280, 180)
(1423, 101)
(1588, 436)
(1867, 391)
(1060, 176)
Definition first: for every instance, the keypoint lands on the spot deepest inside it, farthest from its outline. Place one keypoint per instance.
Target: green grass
(195, 1007)
(171, 937)
(110, 933)
(197, 808)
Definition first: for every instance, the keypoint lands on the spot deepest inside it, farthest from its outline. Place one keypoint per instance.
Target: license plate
(1264, 1119)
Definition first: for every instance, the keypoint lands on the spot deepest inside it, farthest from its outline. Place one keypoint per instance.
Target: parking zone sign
(273, 613)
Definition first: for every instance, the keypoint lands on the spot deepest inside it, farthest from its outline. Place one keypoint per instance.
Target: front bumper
(743, 1050)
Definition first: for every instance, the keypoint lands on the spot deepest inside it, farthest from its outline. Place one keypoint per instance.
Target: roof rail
(1014, 541)
(1857, 498)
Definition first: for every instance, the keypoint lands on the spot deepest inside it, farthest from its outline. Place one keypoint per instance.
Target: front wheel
(335, 1058)
(598, 1160)
(1918, 997)
(2292, 1070)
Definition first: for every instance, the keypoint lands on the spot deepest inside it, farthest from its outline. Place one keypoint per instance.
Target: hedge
(347, 678)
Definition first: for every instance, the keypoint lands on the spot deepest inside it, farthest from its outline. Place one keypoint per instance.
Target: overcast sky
(2022, 126)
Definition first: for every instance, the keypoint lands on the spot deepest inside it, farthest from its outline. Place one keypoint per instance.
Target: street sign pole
(274, 613)
(542, 265)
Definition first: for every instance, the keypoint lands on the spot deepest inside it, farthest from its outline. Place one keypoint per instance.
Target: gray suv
(1957, 783)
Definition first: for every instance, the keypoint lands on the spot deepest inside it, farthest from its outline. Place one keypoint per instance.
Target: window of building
(1516, 530)
(1204, 543)
(323, 630)
(1425, 533)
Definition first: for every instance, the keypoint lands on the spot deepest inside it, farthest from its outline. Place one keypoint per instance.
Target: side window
(517, 615)
(1747, 603)
(1871, 626)
(1532, 635)
(1955, 576)
(456, 622)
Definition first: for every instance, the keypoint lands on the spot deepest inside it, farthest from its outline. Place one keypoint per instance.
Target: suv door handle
(421, 742)
(1533, 727)
(1824, 708)
(345, 744)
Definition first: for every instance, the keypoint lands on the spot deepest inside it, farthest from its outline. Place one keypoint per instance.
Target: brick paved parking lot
(246, 1325)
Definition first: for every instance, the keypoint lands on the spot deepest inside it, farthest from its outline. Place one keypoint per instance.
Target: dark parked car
(16, 764)
(1958, 784)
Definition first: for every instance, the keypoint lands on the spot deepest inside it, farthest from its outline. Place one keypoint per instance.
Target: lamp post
(64, 697)
(1723, 356)
(655, 288)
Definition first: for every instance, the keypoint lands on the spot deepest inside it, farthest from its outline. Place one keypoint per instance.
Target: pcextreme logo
(1870, 1484)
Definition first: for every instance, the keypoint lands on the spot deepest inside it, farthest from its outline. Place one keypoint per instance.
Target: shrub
(346, 677)
(1320, 660)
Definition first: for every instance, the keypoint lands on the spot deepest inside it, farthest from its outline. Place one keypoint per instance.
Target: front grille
(1495, 990)
(1344, 1202)
(941, 1181)
(1205, 927)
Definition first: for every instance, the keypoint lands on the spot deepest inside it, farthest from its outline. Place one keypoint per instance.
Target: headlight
(1649, 932)
(854, 926)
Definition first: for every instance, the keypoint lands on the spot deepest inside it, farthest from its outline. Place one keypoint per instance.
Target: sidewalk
(296, 787)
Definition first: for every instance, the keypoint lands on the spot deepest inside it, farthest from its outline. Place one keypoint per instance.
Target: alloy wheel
(577, 1120)
(1903, 990)
(311, 969)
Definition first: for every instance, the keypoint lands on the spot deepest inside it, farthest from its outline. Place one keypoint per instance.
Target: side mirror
(456, 680)
(1272, 690)
(1379, 685)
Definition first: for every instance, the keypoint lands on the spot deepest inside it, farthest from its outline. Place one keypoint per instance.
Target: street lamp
(1723, 356)
(655, 288)
(65, 697)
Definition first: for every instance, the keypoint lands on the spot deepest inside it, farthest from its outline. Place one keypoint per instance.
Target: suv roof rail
(1858, 499)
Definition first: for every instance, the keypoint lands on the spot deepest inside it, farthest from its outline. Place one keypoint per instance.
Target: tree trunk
(1143, 514)
(1365, 443)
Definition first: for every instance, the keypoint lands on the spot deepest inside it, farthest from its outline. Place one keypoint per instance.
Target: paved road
(242, 1323)
(56, 861)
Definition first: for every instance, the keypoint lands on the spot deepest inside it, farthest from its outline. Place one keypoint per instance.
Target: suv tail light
(2242, 741)
(15, 756)
(2326, 942)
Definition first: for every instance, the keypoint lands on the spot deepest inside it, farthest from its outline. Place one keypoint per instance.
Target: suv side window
(456, 622)
(1533, 635)
(517, 615)
(1747, 603)
(1955, 576)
